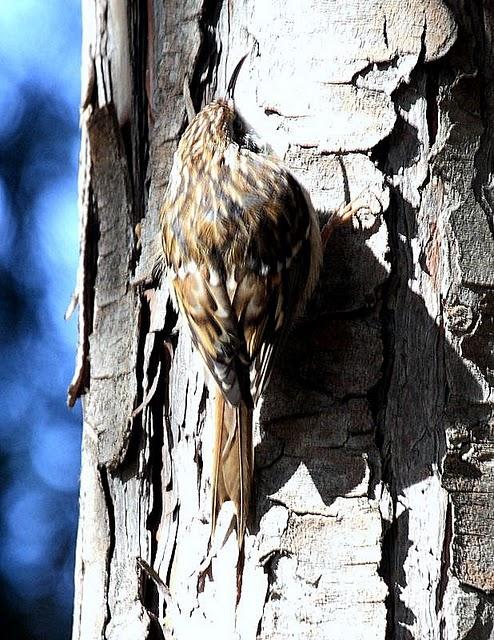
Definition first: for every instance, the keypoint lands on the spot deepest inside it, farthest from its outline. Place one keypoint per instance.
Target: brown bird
(242, 249)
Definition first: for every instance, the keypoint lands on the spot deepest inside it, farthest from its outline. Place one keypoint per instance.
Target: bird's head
(218, 124)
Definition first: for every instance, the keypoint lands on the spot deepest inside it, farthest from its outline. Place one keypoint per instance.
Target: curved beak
(233, 80)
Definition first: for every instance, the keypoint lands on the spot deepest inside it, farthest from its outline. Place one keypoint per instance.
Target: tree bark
(372, 514)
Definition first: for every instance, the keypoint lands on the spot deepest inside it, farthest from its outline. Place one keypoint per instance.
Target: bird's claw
(344, 214)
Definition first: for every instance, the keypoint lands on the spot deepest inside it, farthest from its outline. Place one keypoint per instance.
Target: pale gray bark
(372, 513)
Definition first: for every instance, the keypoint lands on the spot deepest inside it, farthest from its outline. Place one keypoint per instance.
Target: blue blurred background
(39, 437)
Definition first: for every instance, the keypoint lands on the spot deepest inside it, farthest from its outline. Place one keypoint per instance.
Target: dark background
(39, 436)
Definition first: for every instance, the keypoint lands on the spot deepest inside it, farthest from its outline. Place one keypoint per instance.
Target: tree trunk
(372, 514)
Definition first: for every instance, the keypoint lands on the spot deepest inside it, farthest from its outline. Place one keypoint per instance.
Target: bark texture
(373, 511)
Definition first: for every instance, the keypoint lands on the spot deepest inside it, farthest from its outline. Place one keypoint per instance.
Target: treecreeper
(242, 250)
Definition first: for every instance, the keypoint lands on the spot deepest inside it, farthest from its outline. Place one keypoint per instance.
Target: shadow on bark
(362, 384)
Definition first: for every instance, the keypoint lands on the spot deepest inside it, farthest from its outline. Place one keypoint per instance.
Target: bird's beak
(233, 79)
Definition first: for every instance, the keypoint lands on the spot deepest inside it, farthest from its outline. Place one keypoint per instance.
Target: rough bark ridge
(373, 514)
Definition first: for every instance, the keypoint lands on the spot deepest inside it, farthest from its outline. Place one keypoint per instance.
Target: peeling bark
(372, 513)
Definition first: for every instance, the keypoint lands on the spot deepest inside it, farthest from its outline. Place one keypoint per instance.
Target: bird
(242, 250)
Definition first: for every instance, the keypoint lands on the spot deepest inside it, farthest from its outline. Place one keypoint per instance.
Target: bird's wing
(273, 282)
(239, 280)
(203, 300)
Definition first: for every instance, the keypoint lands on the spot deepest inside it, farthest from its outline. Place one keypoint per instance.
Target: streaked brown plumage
(242, 249)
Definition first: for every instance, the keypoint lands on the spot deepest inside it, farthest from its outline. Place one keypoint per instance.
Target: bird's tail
(232, 461)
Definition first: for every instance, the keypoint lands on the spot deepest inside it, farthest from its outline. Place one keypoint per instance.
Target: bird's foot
(345, 214)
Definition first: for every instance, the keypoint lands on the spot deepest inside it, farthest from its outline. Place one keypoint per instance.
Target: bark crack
(204, 77)
(110, 508)
(445, 561)
(85, 295)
